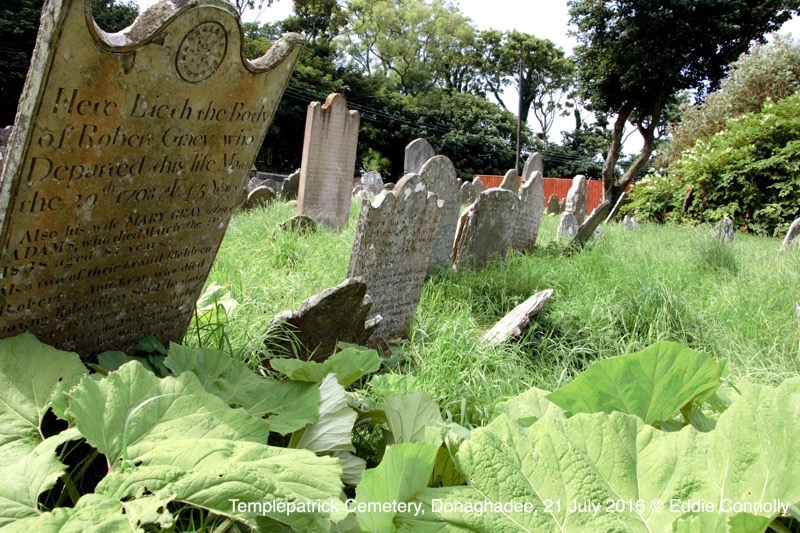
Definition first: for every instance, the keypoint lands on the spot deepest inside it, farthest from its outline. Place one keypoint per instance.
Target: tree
(243, 5)
(635, 55)
(546, 74)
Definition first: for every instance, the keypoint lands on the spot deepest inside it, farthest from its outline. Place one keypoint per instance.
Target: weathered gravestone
(127, 160)
(486, 229)
(621, 201)
(439, 176)
(372, 183)
(479, 186)
(531, 207)
(576, 198)
(590, 227)
(567, 227)
(290, 186)
(517, 320)
(417, 152)
(338, 314)
(511, 181)
(467, 195)
(259, 197)
(393, 244)
(792, 236)
(534, 163)
(553, 205)
(724, 230)
(328, 162)
(299, 224)
(629, 223)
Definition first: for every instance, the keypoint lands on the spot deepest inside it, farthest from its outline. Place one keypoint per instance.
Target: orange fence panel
(557, 186)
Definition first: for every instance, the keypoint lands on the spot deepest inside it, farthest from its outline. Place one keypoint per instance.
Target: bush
(656, 198)
(749, 171)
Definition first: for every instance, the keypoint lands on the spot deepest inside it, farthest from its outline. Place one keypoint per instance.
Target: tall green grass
(619, 294)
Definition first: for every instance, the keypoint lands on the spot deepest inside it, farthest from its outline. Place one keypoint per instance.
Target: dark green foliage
(657, 198)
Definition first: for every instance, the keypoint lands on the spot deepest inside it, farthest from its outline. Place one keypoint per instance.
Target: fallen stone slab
(516, 322)
(338, 314)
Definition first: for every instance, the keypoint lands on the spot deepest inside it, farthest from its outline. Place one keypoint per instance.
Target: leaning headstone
(5, 134)
(553, 205)
(479, 186)
(439, 176)
(338, 314)
(531, 207)
(511, 181)
(576, 198)
(567, 227)
(563, 205)
(621, 201)
(418, 152)
(291, 185)
(259, 197)
(300, 224)
(516, 322)
(328, 161)
(589, 228)
(534, 163)
(129, 154)
(723, 231)
(393, 244)
(467, 193)
(629, 223)
(486, 229)
(372, 183)
(792, 236)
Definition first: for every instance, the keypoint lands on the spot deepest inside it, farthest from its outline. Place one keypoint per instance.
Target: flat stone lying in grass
(291, 186)
(553, 205)
(531, 207)
(417, 153)
(129, 155)
(393, 243)
(338, 314)
(792, 236)
(516, 322)
(511, 181)
(328, 162)
(467, 193)
(486, 229)
(724, 230)
(576, 198)
(439, 176)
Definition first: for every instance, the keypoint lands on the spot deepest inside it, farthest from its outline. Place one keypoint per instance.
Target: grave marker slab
(517, 320)
(290, 186)
(567, 227)
(486, 229)
(576, 198)
(629, 223)
(553, 205)
(128, 157)
(621, 201)
(328, 162)
(392, 247)
(479, 186)
(792, 235)
(531, 207)
(439, 176)
(590, 227)
(511, 181)
(534, 163)
(724, 230)
(259, 197)
(417, 153)
(467, 193)
(372, 183)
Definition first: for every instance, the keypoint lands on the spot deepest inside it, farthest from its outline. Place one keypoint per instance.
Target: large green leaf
(530, 406)
(401, 476)
(132, 411)
(333, 432)
(750, 457)
(214, 474)
(349, 365)
(93, 513)
(652, 384)
(289, 405)
(30, 372)
(410, 415)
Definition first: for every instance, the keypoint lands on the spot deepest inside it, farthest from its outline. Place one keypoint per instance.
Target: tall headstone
(724, 230)
(576, 198)
(486, 229)
(531, 208)
(291, 186)
(792, 236)
(479, 186)
(372, 182)
(467, 193)
(329, 160)
(553, 205)
(128, 157)
(418, 152)
(534, 163)
(439, 176)
(392, 247)
(511, 181)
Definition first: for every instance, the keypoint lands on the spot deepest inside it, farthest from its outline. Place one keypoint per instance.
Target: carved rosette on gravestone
(576, 198)
(393, 244)
(792, 236)
(328, 162)
(259, 197)
(439, 176)
(127, 160)
(486, 229)
(467, 193)
(724, 230)
(511, 181)
(531, 207)
(372, 183)
(479, 187)
(338, 314)
(629, 223)
(417, 153)
(553, 205)
(290, 186)
(568, 226)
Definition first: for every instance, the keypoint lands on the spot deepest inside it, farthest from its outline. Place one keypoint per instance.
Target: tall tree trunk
(614, 151)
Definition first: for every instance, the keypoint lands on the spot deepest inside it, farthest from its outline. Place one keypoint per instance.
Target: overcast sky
(547, 19)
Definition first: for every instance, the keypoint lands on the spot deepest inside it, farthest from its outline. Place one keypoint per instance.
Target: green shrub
(657, 198)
